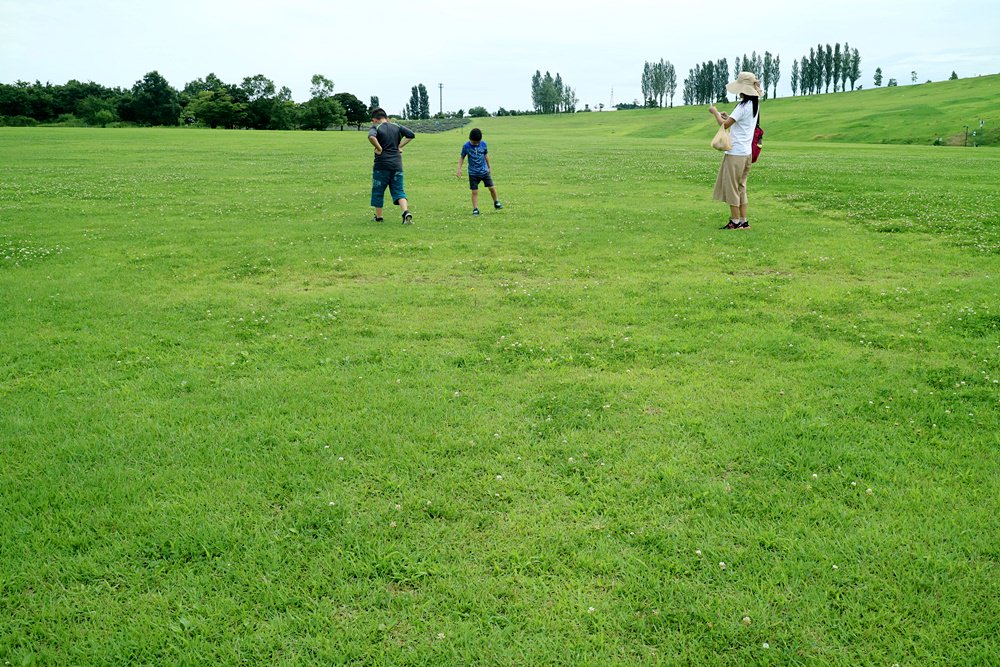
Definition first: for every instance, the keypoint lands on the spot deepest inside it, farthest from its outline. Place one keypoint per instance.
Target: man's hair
(476, 134)
(379, 114)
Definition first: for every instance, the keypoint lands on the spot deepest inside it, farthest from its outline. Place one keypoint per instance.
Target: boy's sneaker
(475, 211)
(377, 219)
(744, 224)
(407, 218)
(497, 205)
(732, 224)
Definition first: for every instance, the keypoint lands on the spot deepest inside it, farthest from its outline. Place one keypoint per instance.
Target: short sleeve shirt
(389, 136)
(741, 133)
(477, 158)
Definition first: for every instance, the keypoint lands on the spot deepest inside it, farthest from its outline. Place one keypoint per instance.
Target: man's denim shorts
(474, 181)
(382, 179)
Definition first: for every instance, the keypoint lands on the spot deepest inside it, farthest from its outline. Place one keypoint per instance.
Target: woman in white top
(731, 184)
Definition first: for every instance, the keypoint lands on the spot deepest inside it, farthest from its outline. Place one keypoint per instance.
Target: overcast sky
(483, 52)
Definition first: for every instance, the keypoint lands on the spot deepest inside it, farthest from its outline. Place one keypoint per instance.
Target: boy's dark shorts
(382, 179)
(474, 181)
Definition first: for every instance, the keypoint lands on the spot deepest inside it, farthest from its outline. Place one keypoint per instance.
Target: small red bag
(758, 143)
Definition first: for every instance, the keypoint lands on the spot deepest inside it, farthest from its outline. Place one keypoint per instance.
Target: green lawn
(919, 114)
(242, 424)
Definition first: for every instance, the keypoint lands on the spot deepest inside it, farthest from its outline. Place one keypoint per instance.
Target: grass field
(242, 424)
(918, 115)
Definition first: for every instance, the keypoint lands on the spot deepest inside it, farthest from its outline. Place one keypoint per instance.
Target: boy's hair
(476, 134)
(379, 114)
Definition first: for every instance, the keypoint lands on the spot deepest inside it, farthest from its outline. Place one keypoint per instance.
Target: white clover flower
(746, 620)
(697, 552)
(722, 566)
(590, 610)
(766, 645)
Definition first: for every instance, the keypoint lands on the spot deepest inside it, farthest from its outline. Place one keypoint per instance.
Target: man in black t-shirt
(387, 172)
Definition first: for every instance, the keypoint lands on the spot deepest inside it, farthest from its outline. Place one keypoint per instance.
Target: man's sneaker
(475, 211)
(744, 225)
(497, 205)
(377, 219)
(732, 224)
(407, 218)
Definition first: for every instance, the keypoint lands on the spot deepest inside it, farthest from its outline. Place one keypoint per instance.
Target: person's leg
(396, 187)
(743, 193)
(727, 191)
(474, 190)
(405, 205)
(488, 182)
(379, 184)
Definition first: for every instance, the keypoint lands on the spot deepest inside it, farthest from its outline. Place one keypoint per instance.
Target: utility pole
(441, 98)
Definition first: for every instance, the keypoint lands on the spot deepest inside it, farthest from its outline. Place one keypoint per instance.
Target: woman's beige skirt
(731, 185)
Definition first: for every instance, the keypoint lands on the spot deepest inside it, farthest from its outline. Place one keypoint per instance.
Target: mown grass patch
(243, 424)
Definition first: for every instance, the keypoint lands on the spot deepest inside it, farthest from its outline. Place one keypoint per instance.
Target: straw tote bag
(722, 142)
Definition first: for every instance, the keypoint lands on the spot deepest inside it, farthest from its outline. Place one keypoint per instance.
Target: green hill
(917, 114)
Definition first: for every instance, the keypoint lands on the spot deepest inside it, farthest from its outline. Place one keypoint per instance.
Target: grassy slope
(243, 425)
(900, 115)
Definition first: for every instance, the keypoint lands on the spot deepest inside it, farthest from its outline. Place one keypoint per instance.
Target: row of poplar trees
(706, 82)
(419, 105)
(659, 83)
(551, 95)
(824, 65)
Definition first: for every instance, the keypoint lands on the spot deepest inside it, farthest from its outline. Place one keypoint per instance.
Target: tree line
(552, 95)
(255, 103)
(659, 83)
(419, 105)
(825, 65)
(706, 82)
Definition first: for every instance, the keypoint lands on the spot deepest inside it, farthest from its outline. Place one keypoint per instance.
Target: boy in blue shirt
(479, 168)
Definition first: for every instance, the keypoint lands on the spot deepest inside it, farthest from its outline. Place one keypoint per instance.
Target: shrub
(69, 120)
(18, 121)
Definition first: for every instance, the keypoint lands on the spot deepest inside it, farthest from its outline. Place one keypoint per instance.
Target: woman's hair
(748, 98)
